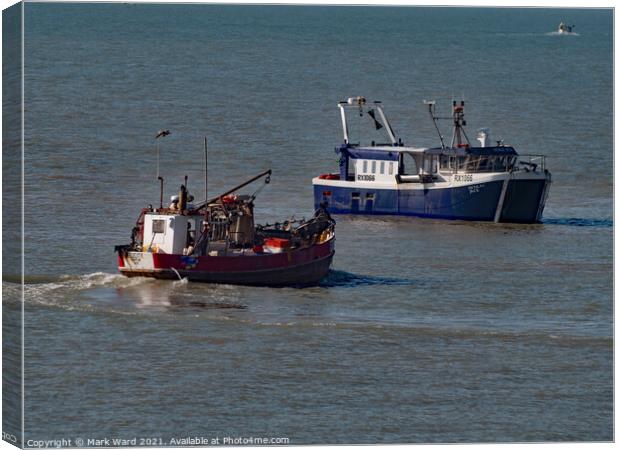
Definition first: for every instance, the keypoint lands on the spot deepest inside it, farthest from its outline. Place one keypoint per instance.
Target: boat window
(159, 226)
(365, 169)
(374, 167)
(410, 165)
(391, 168)
(472, 163)
(430, 164)
(382, 168)
(512, 162)
(191, 232)
(499, 164)
(462, 162)
(504, 163)
(350, 169)
(485, 164)
(444, 162)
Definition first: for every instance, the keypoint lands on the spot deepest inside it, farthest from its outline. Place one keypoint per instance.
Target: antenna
(161, 192)
(160, 134)
(206, 154)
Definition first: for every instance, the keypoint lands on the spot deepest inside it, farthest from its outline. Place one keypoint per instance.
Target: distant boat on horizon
(565, 29)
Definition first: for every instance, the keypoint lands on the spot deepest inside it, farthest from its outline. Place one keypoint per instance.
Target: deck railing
(535, 162)
(484, 164)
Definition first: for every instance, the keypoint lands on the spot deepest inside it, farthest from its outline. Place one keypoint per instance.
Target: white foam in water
(56, 292)
(557, 33)
(102, 279)
(179, 283)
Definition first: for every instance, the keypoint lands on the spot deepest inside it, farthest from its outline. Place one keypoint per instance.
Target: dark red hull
(303, 266)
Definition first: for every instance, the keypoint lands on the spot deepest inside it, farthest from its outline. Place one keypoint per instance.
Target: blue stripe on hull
(476, 202)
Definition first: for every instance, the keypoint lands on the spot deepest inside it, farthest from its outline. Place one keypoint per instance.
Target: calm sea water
(424, 331)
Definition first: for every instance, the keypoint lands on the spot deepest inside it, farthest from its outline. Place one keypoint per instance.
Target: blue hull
(477, 202)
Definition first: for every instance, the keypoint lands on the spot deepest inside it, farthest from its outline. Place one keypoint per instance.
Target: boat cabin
(170, 233)
(477, 179)
(390, 162)
(469, 159)
(409, 165)
(227, 223)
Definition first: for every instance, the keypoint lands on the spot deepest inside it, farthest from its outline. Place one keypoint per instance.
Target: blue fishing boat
(459, 181)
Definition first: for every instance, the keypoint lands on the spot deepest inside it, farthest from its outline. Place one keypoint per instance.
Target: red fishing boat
(217, 242)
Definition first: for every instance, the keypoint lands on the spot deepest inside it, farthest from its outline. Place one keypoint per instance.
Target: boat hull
(523, 201)
(305, 266)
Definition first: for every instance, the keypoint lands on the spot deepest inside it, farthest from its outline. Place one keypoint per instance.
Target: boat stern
(131, 263)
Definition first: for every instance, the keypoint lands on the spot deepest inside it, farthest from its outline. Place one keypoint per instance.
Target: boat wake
(57, 290)
(557, 33)
(113, 293)
(50, 283)
(340, 278)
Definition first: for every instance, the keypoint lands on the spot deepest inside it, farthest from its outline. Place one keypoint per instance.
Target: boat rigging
(465, 180)
(218, 241)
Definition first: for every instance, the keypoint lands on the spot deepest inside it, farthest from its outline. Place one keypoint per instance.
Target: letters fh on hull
(455, 181)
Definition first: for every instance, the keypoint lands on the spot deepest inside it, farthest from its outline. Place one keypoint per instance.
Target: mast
(161, 192)
(458, 118)
(206, 190)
